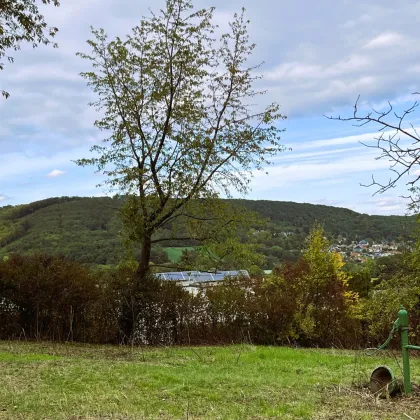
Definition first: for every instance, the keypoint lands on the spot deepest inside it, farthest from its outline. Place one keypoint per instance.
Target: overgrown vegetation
(313, 302)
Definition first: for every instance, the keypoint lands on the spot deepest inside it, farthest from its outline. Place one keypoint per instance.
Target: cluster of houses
(361, 251)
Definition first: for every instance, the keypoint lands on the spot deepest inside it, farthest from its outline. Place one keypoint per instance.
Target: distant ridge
(87, 229)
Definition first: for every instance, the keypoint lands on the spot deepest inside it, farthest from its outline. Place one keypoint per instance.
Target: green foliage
(55, 299)
(397, 284)
(324, 306)
(175, 103)
(227, 240)
(186, 256)
(88, 230)
(21, 21)
(84, 230)
(310, 302)
(360, 280)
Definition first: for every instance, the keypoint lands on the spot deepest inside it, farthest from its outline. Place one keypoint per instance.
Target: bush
(51, 298)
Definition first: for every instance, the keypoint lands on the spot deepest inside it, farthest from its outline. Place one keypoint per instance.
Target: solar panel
(200, 276)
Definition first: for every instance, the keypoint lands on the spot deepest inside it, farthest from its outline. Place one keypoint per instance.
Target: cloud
(44, 72)
(312, 67)
(385, 40)
(414, 69)
(55, 173)
(310, 155)
(290, 174)
(356, 140)
(388, 204)
(14, 165)
(365, 18)
(307, 72)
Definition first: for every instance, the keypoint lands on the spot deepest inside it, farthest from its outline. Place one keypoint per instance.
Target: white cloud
(18, 164)
(338, 141)
(293, 71)
(389, 204)
(414, 69)
(289, 155)
(365, 18)
(313, 67)
(314, 171)
(302, 71)
(44, 71)
(55, 173)
(364, 138)
(387, 39)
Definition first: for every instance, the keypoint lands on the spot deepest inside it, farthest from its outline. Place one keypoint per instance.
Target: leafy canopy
(176, 105)
(323, 293)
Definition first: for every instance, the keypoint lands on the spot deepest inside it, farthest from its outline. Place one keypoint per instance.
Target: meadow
(175, 253)
(75, 381)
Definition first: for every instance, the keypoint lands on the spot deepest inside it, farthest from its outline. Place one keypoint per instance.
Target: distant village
(359, 252)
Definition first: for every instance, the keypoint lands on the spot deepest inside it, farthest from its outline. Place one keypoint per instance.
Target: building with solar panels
(193, 281)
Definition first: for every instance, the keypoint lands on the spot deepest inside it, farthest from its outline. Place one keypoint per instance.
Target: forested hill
(336, 220)
(87, 229)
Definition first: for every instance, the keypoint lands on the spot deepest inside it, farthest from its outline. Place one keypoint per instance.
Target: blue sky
(319, 56)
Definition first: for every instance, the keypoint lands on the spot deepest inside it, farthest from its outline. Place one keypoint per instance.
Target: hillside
(87, 229)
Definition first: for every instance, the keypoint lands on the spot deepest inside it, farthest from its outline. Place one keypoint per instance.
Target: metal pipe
(411, 347)
(403, 321)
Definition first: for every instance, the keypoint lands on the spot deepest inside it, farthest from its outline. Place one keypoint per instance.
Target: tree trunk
(130, 308)
(144, 261)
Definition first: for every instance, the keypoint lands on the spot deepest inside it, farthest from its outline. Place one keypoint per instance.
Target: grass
(72, 381)
(175, 253)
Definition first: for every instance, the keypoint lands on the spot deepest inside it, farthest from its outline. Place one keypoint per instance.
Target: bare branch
(392, 143)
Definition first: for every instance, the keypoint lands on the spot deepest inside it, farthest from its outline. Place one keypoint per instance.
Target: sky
(318, 57)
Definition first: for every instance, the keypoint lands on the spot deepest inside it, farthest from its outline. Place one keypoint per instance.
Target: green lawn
(174, 254)
(49, 381)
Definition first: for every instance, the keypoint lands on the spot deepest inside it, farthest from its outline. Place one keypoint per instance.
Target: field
(72, 381)
(175, 253)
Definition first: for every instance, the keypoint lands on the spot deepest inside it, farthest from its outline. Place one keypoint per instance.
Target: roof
(199, 276)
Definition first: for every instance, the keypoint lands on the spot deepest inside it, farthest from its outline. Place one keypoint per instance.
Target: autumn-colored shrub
(52, 298)
(323, 310)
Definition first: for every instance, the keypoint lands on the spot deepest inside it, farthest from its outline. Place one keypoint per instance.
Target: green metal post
(403, 318)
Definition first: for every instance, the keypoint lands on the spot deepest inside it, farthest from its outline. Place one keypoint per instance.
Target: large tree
(398, 142)
(21, 21)
(178, 111)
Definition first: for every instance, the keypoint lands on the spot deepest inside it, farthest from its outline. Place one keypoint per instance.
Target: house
(193, 281)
